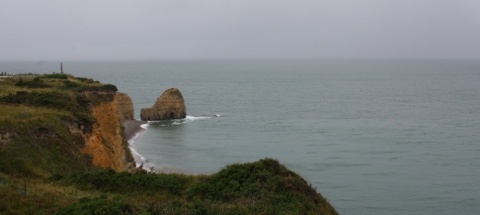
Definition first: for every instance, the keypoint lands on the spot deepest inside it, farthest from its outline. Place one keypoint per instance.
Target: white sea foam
(139, 158)
(145, 126)
(136, 156)
(194, 118)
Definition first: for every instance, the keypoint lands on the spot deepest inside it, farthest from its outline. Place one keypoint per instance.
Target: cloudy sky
(247, 29)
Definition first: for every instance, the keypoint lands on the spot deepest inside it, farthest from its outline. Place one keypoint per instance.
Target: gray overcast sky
(247, 29)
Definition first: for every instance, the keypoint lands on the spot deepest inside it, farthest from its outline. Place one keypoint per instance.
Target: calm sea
(374, 137)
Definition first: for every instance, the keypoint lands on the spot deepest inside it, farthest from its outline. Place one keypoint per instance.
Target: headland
(64, 150)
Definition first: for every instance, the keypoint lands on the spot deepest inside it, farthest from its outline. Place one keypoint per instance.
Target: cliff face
(124, 106)
(106, 143)
(170, 105)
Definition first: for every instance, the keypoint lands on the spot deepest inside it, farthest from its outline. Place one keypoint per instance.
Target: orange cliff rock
(124, 105)
(106, 143)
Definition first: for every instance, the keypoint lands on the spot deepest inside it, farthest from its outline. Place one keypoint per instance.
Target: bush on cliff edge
(262, 187)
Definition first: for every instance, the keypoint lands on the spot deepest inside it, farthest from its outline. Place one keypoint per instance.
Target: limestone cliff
(124, 106)
(106, 143)
(170, 105)
(68, 125)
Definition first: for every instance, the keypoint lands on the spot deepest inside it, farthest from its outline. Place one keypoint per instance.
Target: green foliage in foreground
(262, 187)
(127, 183)
(98, 205)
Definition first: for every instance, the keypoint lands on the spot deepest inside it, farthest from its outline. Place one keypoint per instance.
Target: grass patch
(34, 83)
(21, 195)
(36, 142)
(98, 205)
(56, 76)
(128, 183)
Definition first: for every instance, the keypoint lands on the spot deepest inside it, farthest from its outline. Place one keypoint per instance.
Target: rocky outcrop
(170, 105)
(124, 107)
(106, 144)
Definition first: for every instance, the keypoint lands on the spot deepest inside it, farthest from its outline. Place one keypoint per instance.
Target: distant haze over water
(374, 137)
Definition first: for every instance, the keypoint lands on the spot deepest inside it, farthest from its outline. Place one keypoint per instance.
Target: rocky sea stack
(170, 105)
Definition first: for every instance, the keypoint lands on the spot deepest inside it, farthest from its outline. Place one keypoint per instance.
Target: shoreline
(132, 127)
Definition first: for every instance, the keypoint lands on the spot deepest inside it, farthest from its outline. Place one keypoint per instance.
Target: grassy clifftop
(37, 117)
(44, 122)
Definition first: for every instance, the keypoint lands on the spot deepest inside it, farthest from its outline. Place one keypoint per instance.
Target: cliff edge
(58, 124)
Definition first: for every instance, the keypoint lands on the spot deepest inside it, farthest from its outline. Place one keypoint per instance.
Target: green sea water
(374, 137)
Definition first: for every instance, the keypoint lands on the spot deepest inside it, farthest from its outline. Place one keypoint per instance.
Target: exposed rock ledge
(170, 105)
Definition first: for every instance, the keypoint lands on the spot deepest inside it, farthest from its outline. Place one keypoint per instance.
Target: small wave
(193, 118)
(145, 125)
(188, 119)
(178, 122)
(137, 155)
(139, 159)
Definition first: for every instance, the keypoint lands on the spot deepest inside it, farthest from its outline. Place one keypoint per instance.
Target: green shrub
(55, 100)
(70, 85)
(271, 187)
(110, 181)
(247, 180)
(110, 87)
(262, 187)
(99, 205)
(56, 75)
(96, 88)
(34, 83)
(85, 80)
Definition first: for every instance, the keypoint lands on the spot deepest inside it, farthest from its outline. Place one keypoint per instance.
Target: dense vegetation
(42, 170)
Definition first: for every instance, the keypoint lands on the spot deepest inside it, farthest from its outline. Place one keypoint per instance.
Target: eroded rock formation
(170, 105)
(105, 143)
(124, 107)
